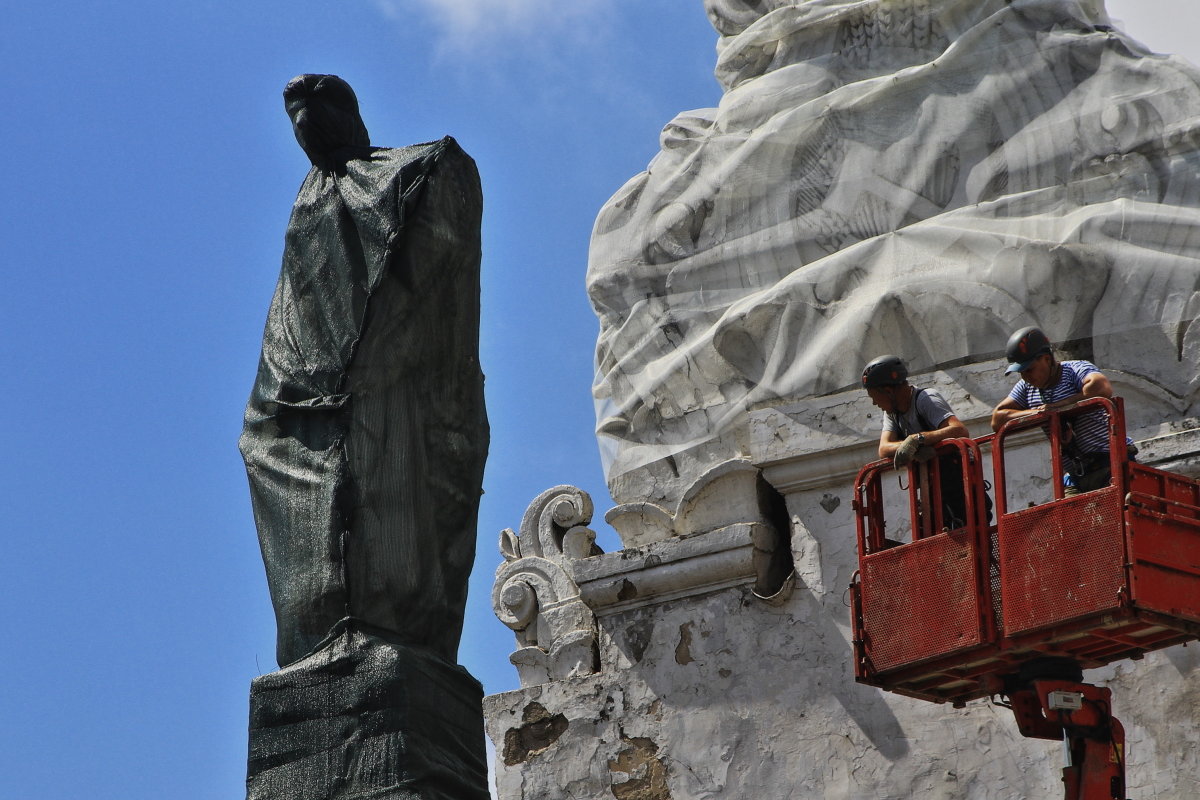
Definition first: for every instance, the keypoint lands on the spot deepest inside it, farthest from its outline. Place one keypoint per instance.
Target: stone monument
(365, 438)
(912, 176)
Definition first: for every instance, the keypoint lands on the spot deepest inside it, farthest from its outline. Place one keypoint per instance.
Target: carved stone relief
(535, 593)
(910, 176)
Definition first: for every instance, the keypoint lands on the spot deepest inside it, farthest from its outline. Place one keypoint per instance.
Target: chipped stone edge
(663, 571)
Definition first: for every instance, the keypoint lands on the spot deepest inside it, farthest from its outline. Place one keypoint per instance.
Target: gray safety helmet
(1024, 347)
(884, 371)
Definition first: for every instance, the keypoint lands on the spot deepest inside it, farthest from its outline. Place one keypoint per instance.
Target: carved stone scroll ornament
(536, 595)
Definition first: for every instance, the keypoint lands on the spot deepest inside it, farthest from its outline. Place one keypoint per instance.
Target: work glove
(906, 452)
(924, 453)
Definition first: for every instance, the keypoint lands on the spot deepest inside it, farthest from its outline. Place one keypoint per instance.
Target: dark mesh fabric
(365, 435)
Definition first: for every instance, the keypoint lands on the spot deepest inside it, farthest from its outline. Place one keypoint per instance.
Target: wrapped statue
(365, 435)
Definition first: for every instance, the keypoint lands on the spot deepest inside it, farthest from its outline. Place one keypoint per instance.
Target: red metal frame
(924, 621)
(1103, 575)
(1098, 577)
(1095, 739)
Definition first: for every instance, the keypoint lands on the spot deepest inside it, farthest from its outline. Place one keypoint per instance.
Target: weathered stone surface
(538, 731)
(366, 718)
(910, 176)
(704, 690)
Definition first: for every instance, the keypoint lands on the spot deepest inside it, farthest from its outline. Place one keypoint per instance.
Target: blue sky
(149, 171)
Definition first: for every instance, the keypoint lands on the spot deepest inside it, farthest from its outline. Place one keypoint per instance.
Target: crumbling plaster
(703, 690)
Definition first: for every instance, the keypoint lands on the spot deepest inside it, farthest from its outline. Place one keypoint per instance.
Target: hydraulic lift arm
(1079, 715)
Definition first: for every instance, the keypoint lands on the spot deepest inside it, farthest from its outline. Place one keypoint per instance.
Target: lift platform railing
(957, 460)
(1057, 426)
(945, 565)
(1106, 574)
(1019, 609)
(1065, 561)
(1097, 577)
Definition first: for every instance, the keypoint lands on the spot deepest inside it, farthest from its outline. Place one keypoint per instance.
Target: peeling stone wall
(721, 696)
(718, 694)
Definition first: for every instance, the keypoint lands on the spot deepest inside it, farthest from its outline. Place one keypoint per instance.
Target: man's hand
(924, 453)
(906, 451)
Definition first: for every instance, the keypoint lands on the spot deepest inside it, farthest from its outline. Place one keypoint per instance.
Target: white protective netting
(911, 176)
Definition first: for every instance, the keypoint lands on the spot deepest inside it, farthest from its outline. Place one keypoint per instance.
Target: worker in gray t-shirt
(915, 421)
(913, 418)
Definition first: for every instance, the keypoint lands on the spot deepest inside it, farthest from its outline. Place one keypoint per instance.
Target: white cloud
(470, 25)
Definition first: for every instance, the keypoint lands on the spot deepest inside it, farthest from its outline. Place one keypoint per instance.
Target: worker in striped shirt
(1047, 383)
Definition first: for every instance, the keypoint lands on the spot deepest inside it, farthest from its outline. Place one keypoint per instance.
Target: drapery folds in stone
(912, 176)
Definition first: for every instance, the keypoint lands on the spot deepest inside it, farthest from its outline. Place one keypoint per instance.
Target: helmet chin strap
(1055, 373)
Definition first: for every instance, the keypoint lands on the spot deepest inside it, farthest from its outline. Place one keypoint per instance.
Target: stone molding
(724, 495)
(1175, 451)
(554, 581)
(666, 570)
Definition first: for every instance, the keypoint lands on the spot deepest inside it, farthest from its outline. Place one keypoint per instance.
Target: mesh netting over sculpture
(911, 176)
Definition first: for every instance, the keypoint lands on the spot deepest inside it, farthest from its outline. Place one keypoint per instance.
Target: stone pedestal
(365, 718)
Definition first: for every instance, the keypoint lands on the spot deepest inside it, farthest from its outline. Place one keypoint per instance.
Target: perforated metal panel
(1061, 561)
(1166, 559)
(920, 601)
(1101, 577)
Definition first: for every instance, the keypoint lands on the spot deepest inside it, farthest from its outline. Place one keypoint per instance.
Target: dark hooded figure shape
(325, 119)
(365, 434)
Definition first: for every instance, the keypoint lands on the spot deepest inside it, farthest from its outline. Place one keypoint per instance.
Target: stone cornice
(665, 570)
(1175, 450)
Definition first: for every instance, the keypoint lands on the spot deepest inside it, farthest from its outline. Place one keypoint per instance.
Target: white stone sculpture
(910, 176)
(535, 592)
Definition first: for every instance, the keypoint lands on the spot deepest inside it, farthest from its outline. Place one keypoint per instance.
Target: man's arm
(888, 442)
(951, 428)
(1007, 409)
(1095, 384)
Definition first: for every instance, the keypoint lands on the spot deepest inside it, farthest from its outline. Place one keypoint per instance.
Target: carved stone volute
(535, 593)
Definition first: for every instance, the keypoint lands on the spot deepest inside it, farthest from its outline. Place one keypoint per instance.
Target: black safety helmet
(884, 371)
(1024, 347)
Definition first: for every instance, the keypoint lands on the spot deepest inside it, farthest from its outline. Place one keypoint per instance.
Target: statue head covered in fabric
(325, 118)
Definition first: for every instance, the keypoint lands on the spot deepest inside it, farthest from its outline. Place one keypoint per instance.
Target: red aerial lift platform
(1098, 577)
(968, 609)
